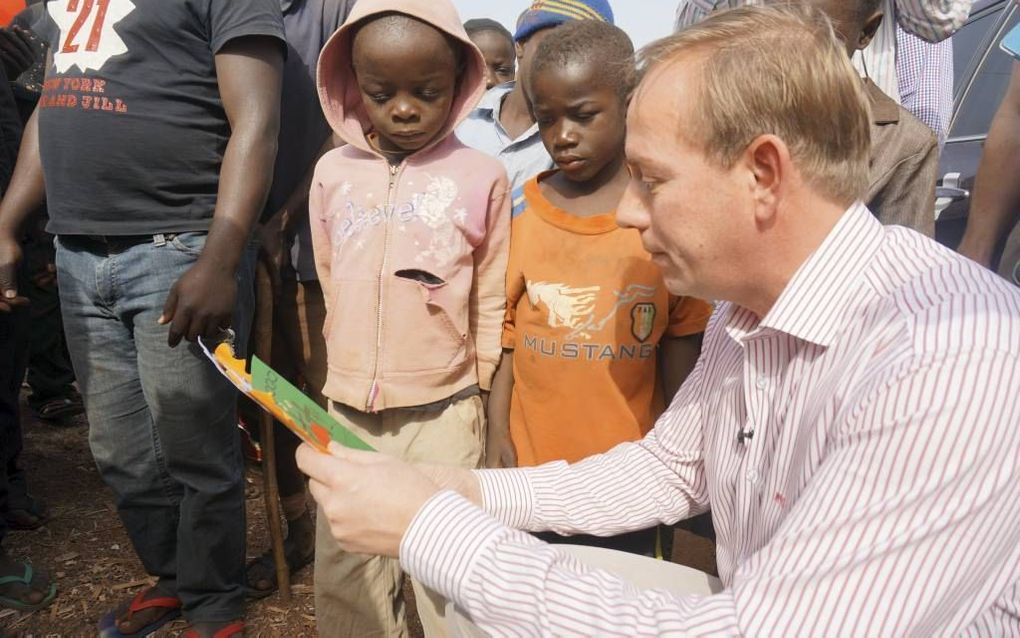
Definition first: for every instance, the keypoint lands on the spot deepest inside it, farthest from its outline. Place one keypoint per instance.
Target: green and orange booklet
(280, 398)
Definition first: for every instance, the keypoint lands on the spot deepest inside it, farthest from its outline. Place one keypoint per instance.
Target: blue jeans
(162, 420)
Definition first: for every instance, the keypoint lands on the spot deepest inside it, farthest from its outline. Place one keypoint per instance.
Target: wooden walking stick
(271, 492)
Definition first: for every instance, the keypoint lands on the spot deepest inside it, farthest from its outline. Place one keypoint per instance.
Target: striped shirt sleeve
(872, 546)
(633, 486)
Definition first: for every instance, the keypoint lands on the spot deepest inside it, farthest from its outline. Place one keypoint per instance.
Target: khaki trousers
(358, 596)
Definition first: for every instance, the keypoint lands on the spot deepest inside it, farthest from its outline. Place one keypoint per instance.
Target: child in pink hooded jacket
(410, 230)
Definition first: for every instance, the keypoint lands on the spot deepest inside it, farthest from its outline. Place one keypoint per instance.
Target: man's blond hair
(776, 70)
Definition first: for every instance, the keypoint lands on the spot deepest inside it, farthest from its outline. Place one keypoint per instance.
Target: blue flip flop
(26, 580)
(108, 623)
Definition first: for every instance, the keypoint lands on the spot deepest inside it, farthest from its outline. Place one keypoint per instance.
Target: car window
(980, 101)
(967, 43)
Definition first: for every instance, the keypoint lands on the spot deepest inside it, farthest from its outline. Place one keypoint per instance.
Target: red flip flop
(108, 623)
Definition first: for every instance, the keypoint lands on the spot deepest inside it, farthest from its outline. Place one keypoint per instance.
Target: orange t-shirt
(586, 309)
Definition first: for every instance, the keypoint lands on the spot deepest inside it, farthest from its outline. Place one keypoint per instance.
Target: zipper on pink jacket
(373, 392)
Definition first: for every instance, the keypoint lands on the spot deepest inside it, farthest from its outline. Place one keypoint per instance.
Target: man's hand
(10, 259)
(368, 498)
(200, 303)
(46, 277)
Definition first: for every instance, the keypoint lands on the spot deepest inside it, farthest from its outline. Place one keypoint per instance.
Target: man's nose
(631, 211)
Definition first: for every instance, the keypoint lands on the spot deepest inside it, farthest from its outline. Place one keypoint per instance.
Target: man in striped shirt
(854, 419)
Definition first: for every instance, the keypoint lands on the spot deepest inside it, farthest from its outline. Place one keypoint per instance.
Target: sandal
(263, 568)
(25, 514)
(58, 408)
(26, 580)
(235, 628)
(108, 623)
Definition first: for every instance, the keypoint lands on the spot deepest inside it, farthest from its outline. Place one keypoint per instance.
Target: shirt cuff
(443, 543)
(486, 371)
(507, 495)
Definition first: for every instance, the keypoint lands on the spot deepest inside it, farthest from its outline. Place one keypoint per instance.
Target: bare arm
(677, 356)
(24, 196)
(25, 193)
(499, 448)
(249, 71)
(996, 205)
(298, 199)
(279, 228)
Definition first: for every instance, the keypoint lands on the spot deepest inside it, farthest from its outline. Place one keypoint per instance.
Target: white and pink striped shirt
(879, 494)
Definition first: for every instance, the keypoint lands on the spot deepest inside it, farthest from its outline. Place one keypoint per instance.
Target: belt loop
(159, 239)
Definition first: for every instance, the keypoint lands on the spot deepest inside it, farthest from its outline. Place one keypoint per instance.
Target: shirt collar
(492, 101)
(818, 300)
(490, 106)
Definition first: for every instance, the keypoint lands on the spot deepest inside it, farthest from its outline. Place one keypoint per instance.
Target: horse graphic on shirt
(574, 308)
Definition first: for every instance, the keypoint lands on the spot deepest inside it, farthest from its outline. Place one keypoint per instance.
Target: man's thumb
(8, 282)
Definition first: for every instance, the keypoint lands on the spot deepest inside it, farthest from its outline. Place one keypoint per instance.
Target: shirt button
(762, 383)
(753, 476)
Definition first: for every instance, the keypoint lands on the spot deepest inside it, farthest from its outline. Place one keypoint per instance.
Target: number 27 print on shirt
(85, 42)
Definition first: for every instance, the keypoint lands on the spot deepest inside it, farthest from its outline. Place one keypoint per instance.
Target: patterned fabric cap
(550, 13)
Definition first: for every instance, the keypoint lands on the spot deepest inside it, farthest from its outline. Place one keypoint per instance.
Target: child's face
(500, 58)
(581, 117)
(407, 84)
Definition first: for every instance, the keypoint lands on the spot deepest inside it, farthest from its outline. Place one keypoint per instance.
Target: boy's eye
(584, 116)
(505, 70)
(379, 98)
(428, 94)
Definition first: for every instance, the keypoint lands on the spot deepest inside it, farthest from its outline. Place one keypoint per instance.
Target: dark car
(982, 73)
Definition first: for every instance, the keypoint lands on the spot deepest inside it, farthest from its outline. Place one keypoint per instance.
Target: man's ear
(519, 51)
(767, 160)
(869, 29)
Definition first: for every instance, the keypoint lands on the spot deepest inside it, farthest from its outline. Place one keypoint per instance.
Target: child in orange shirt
(589, 318)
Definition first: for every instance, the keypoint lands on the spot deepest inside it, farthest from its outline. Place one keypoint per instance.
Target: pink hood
(338, 90)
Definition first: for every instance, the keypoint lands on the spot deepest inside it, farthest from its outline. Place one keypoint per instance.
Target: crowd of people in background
(695, 282)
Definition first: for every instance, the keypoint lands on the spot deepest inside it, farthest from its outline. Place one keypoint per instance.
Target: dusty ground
(86, 548)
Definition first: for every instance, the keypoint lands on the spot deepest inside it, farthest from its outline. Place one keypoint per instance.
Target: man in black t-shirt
(156, 134)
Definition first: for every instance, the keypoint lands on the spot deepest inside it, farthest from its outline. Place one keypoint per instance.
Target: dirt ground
(85, 547)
